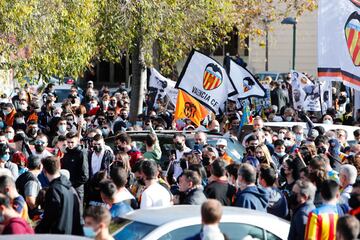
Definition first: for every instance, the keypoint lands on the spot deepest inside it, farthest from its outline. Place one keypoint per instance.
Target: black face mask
(97, 149)
(221, 151)
(111, 118)
(141, 181)
(179, 146)
(354, 201)
(32, 131)
(123, 116)
(282, 173)
(293, 201)
(321, 150)
(205, 161)
(262, 159)
(120, 149)
(39, 148)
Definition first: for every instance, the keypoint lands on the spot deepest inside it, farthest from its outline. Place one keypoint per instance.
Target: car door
(237, 231)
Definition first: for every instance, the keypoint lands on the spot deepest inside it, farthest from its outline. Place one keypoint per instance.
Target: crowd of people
(58, 174)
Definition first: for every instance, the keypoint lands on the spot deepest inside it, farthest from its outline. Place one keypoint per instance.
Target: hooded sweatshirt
(61, 210)
(253, 197)
(277, 203)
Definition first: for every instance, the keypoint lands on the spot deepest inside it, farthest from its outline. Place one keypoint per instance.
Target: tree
(47, 37)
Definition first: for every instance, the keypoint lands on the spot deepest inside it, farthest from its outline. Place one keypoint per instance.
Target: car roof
(181, 212)
(44, 237)
(327, 127)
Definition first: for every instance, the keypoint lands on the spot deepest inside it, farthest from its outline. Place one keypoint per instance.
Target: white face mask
(288, 119)
(281, 136)
(62, 128)
(287, 143)
(327, 121)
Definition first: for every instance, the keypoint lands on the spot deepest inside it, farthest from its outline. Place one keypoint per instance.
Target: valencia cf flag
(189, 107)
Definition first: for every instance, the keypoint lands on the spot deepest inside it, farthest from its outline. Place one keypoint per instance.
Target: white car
(183, 221)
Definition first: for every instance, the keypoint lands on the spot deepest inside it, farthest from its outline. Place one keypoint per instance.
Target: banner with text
(339, 41)
(206, 80)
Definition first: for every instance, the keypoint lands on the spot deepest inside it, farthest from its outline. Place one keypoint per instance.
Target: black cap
(3, 148)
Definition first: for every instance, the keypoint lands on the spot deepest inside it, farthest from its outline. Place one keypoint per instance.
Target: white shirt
(155, 196)
(177, 168)
(42, 155)
(96, 161)
(211, 232)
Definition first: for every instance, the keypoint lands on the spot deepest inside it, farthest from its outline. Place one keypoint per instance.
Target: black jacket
(107, 159)
(61, 210)
(299, 220)
(75, 161)
(194, 196)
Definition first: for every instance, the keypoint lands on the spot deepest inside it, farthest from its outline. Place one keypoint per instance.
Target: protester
(191, 191)
(211, 212)
(62, 205)
(13, 223)
(97, 222)
(347, 228)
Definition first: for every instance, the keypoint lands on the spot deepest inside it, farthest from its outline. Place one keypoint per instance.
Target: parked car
(276, 76)
(43, 237)
(183, 221)
(235, 150)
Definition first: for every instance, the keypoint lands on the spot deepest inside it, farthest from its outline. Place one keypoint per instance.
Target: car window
(134, 230)
(240, 231)
(271, 236)
(62, 94)
(182, 233)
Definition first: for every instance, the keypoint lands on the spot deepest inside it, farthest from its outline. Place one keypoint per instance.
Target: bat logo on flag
(352, 36)
(212, 77)
(356, 2)
(189, 110)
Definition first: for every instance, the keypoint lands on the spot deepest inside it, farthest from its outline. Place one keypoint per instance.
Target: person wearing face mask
(301, 201)
(327, 119)
(278, 96)
(124, 144)
(32, 131)
(191, 189)
(13, 223)
(289, 142)
(288, 115)
(62, 208)
(97, 221)
(93, 107)
(61, 126)
(277, 201)
(100, 158)
(250, 196)
(76, 162)
(40, 145)
(9, 114)
(5, 161)
(19, 123)
(174, 168)
(123, 122)
(34, 112)
(221, 146)
(279, 155)
(347, 177)
(9, 134)
(354, 201)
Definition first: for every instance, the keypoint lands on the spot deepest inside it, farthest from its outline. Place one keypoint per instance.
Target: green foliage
(63, 37)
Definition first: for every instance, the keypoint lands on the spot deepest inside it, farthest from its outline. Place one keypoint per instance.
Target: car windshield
(262, 76)
(133, 230)
(62, 94)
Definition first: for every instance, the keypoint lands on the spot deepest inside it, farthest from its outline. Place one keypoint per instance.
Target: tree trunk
(138, 83)
(156, 54)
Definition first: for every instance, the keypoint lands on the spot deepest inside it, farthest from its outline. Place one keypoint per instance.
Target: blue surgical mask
(299, 137)
(6, 112)
(2, 125)
(5, 157)
(281, 154)
(2, 218)
(89, 232)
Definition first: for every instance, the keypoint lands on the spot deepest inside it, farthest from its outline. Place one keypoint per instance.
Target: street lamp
(267, 22)
(292, 21)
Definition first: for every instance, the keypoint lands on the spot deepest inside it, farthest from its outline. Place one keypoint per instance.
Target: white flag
(306, 94)
(339, 41)
(165, 87)
(206, 80)
(245, 83)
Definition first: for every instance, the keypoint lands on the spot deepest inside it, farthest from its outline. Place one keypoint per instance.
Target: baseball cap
(222, 142)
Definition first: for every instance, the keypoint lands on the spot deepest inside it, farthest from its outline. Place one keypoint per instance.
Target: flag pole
(320, 93)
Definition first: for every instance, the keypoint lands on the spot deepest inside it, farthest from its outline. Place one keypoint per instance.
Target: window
(182, 233)
(271, 236)
(240, 231)
(133, 230)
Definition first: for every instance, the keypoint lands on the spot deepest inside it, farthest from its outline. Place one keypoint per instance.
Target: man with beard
(221, 146)
(180, 149)
(301, 201)
(75, 161)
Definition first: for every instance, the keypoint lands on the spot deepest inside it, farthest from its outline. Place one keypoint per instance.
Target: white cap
(222, 142)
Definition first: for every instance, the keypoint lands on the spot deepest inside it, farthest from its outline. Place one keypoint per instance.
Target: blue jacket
(277, 203)
(299, 220)
(253, 198)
